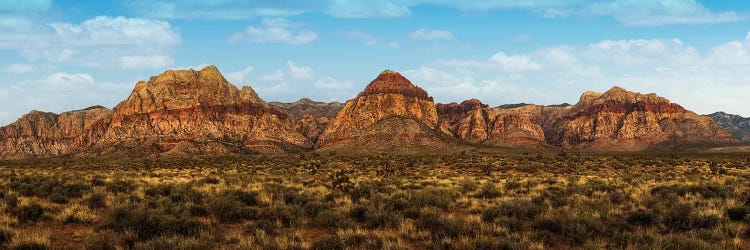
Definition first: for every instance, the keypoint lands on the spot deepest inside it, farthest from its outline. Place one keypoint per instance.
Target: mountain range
(200, 112)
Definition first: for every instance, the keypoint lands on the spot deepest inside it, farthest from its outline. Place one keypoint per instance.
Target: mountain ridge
(199, 111)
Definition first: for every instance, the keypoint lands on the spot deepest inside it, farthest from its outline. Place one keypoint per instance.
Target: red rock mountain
(188, 110)
(475, 122)
(622, 120)
(43, 134)
(200, 112)
(391, 112)
(311, 117)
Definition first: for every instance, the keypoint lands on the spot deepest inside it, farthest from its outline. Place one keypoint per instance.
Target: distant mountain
(200, 112)
(735, 124)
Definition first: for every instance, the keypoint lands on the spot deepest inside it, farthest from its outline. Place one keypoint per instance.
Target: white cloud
(425, 34)
(18, 68)
(275, 30)
(704, 82)
(58, 92)
(273, 77)
(98, 42)
(63, 81)
(145, 62)
(299, 72)
(330, 83)
(627, 12)
(369, 39)
(240, 77)
(498, 61)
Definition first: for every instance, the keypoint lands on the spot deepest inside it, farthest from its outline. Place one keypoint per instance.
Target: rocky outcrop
(737, 125)
(475, 122)
(311, 118)
(622, 120)
(200, 107)
(391, 112)
(44, 134)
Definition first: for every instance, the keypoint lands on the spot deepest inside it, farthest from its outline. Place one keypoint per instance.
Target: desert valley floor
(476, 199)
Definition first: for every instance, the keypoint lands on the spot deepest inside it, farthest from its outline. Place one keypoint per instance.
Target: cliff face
(390, 110)
(311, 118)
(199, 107)
(622, 120)
(43, 134)
(737, 125)
(475, 122)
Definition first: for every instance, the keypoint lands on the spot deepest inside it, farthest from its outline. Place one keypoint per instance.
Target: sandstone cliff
(475, 122)
(44, 134)
(198, 107)
(311, 118)
(622, 120)
(390, 112)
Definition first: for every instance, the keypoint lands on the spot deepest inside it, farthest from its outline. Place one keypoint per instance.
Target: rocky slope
(191, 108)
(44, 134)
(475, 122)
(622, 120)
(390, 112)
(737, 125)
(311, 118)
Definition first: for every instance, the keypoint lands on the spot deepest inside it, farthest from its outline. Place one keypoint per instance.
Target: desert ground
(476, 199)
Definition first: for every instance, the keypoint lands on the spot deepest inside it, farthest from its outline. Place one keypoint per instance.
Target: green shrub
(228, 210)
(6, 235)
(688, 243)
(29, 213)
(58, 198)
(119, 186)
(441, 227)
(642, 218)
(330, 220)
(436, 197)
(738, 213)
(329, 242)
(516, 208)
(148, 224)
(96, 200)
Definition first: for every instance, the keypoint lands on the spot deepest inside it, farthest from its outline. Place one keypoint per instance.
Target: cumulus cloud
(704, 81)
(275, 30)
(98, 42)
(425, 34)
(239, 77)
(58, 92)
(299, 72)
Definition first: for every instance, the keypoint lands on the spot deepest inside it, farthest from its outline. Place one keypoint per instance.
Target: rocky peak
(391, 82)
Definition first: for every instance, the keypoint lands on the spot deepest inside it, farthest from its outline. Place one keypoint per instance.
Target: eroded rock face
(389, 97)
(311, 118)
(200, 106)
(737, 125)
(44, 134)
(622, 120)
(475, 122)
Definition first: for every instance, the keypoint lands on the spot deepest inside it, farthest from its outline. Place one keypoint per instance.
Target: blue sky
(63, 55)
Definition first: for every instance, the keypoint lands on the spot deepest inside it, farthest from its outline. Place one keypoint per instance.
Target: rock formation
(189, 107)
(622, 120)
(311, 118)
(199, 112)
(475, 122)
(390, 112)
(44, 134)
(737, 125)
